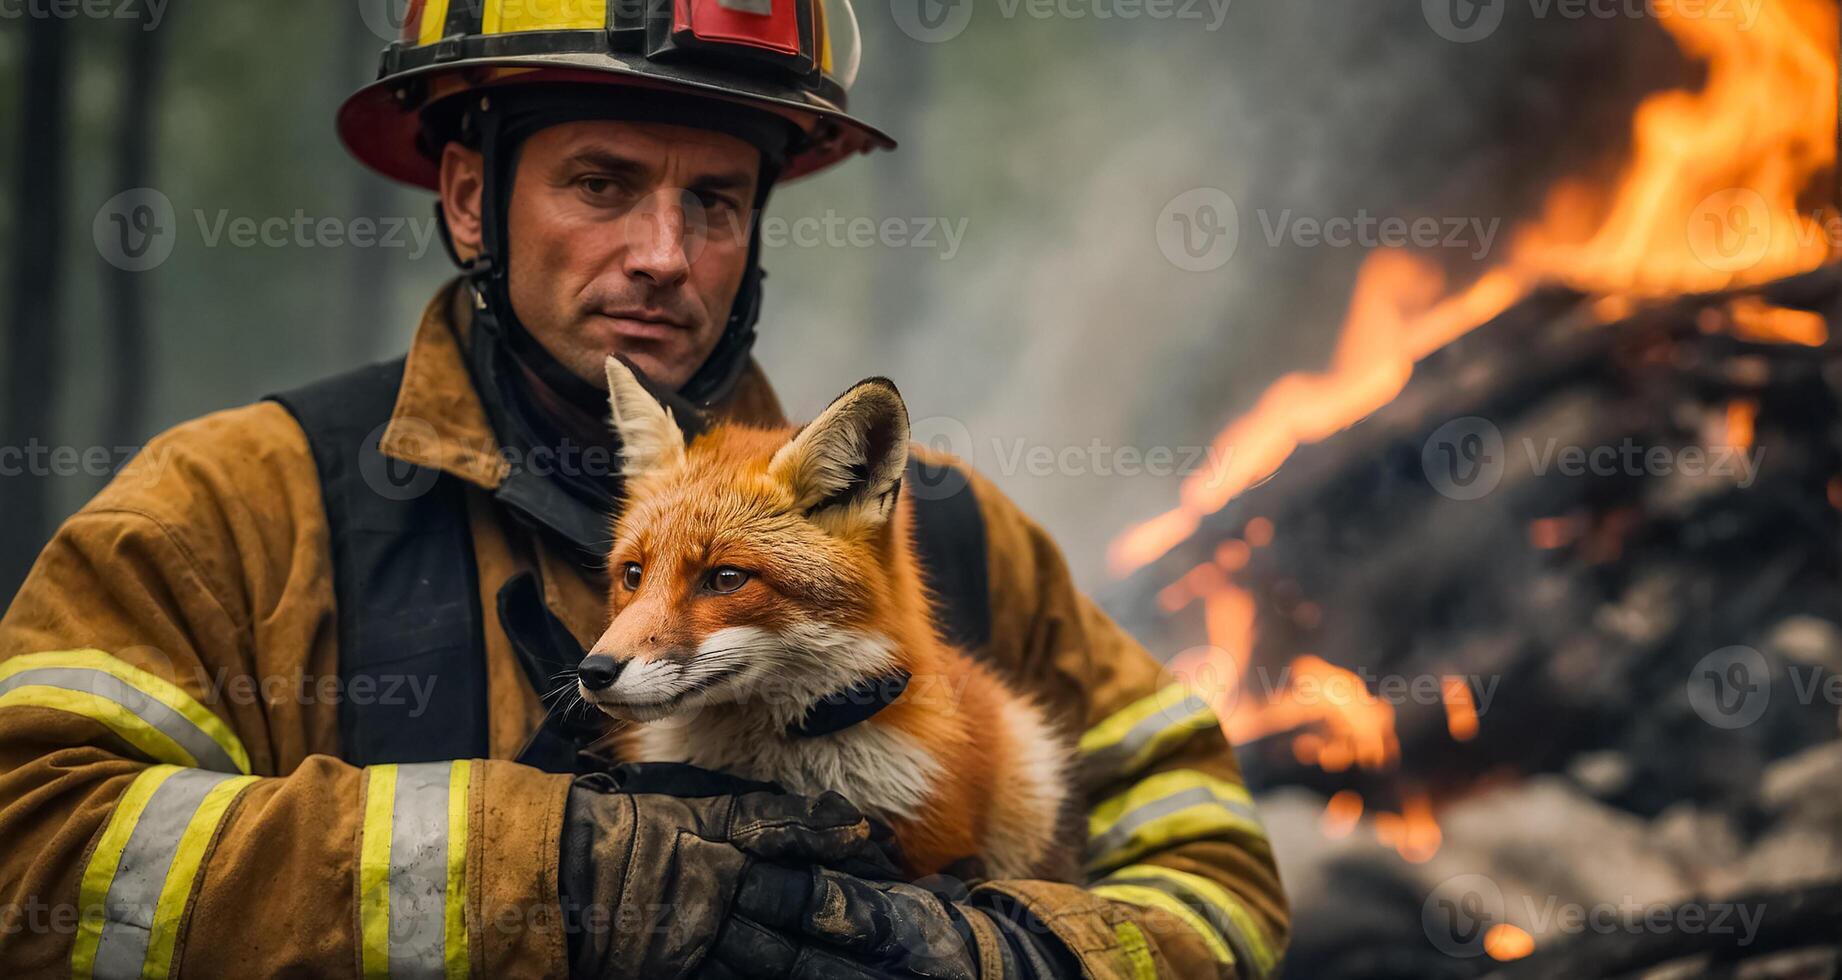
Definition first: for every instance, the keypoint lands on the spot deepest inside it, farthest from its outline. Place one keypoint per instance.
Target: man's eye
(717, 202)
(726, 580)
(630, 575)
(597, 186)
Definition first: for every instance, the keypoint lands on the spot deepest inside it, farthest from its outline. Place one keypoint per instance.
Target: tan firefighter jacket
(173, 801)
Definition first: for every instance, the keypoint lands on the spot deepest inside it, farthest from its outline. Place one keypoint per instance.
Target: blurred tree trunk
(369, 277)
(127, 295)
(32, 371)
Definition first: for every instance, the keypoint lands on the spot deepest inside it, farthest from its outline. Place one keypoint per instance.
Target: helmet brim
(382, 129)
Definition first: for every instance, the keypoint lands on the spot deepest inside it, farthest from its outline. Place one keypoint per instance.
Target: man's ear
(463, 179)
(847, 464)
(650, 439)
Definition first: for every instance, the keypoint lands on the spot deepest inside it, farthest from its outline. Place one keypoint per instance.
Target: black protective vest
(406, 588)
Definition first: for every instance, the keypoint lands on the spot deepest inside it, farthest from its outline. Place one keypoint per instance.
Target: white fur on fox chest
(882, 771)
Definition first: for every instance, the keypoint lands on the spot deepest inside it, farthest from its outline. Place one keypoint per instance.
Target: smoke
(1064, 348)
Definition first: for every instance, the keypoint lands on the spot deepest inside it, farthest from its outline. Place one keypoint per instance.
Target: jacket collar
(439, 421)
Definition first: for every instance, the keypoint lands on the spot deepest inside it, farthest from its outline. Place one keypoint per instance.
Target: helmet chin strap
(489, 272)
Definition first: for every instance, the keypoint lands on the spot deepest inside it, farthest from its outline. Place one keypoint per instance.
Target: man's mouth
(643, 325)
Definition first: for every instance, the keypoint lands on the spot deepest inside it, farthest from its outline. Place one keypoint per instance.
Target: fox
(756, 572)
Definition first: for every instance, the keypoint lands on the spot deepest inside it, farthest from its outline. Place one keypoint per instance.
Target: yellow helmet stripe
(434, 21)
(509, 16)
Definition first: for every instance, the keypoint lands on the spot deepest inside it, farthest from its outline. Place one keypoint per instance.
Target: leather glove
(653, 857)
(822, 924)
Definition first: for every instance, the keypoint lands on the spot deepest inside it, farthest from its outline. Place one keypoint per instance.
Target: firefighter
(271, 702)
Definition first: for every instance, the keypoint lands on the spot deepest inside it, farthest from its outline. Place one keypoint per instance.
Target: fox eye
(726, 580)
(630, 575)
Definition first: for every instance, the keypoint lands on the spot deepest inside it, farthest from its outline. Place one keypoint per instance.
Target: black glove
(653, 857)
(820, 924)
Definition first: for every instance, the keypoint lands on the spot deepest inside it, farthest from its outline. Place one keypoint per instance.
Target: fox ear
(849, 460)
(650, 439)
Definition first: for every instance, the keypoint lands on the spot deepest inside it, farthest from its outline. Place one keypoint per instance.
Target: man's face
(626, 238)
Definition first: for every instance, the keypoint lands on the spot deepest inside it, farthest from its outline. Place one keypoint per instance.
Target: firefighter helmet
(795, 58)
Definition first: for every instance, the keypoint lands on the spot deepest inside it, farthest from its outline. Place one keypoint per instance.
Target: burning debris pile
(1579, 579)
(1526, 613)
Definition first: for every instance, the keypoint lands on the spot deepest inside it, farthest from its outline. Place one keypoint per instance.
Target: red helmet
(795, 58)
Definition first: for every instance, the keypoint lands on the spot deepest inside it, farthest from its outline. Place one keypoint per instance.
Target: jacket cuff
(1113, 940)
(515, 899)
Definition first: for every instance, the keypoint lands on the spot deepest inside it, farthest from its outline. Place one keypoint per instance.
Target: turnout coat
(195, 782)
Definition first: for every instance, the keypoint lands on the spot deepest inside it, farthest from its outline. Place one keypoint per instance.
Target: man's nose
(663, 236)
(598, 671)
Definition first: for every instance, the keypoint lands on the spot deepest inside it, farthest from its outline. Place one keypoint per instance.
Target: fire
(1754, 319)
(1339, 723)
(1505, 942)
(1460, 711)
(1342, 813)
(1710, 199)
(1413, 832)
(1742, 414)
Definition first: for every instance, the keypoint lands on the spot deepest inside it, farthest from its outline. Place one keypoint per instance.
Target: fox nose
(598, 671)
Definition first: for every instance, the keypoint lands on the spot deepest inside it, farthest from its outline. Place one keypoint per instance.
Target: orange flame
(1460, 711)
(1742, 414)
(1708, 200)
(1341, 813)
(1413, 832)
(1505, 942)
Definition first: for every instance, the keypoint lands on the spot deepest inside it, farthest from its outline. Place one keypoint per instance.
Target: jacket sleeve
(1180, 878)
(168, 803)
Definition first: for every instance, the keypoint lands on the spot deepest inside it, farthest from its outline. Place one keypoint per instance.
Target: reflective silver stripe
(419, 871)
(134, 894)
(1245, 952)
(161, 717)
(1122, 832)
(1109, 762)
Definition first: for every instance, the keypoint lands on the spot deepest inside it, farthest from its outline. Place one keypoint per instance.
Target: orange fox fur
(812, 524)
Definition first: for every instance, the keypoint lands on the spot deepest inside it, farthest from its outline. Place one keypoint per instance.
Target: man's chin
(664, 368)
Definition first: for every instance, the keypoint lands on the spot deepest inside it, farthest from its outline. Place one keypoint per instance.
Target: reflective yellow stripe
(100, 872)
(152, 744)
(1137, 950)
(459, 959)
(1238, 926)
(507, 16)
(1136, 736)
(1163, 902)
(188, 861)
(141, 876)
(434, 21)
(374, 869)
(194, 723)
(1167, 809)
(412, 872)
